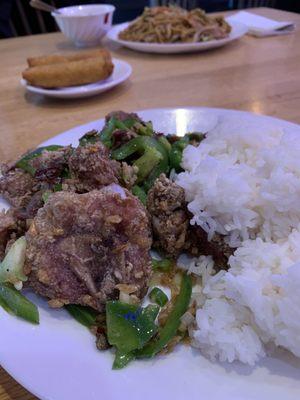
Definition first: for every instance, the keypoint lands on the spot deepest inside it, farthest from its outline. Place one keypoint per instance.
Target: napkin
(261, 26)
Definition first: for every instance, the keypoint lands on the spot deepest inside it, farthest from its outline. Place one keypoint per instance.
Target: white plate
(58, 360)
(238, 30)
(122, 71)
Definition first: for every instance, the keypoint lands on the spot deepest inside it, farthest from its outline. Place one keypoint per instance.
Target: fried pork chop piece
(198, 244)
(10, 229)
(50, 165)
(23, 190)
(91, 168)
(172, 232)
(81, 246)
(169, 218)
(17, 187)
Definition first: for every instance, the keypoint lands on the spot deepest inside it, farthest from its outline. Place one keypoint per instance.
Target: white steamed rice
(243, 181)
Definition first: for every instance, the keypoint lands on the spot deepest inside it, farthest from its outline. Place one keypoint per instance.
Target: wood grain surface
(253, 74)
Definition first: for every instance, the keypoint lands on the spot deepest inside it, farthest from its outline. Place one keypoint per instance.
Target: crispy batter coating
(73, 73)
(81, 246)
(24, 191)
(50, 165)
(91, 168)
(171, 227)
(17, 187)
(169, 218)
(60, 58)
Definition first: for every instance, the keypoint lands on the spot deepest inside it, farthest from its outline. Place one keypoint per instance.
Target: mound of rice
(243, 181)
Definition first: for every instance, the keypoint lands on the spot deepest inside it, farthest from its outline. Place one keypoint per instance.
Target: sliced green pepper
(137, 145)
(144, 130)
(107, 132)
(158, 296)
(129, 326)
(140, 193)
(164, 265)
(18, 304)
(173, 322)
(124, 125)
(122, 359)
(114, 123)
(5, 306)
(84, 315)
(176, 153)
(129, 122)
(89, 138)
(140, 322)
(147, 162)
(164, 141)
(179, 146)
(140, 145)
(161, 168)
(24, 162)
(151, 312)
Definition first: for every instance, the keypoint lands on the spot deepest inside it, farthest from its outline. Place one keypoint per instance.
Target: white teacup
(85, 25)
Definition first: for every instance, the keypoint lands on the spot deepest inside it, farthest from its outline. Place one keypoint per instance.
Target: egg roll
(71, 73)
(60, 58)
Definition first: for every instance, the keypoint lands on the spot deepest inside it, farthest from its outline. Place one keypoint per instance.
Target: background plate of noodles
(174, 30)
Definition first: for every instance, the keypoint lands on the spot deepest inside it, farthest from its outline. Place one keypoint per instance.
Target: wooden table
(259, 75)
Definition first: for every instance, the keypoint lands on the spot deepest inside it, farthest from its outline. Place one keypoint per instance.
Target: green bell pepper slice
(129, 326)
(158, 296)
(173, 322)
(140, 193)
(164, 265)
(24, 162)
(13, 301)
(84, 315)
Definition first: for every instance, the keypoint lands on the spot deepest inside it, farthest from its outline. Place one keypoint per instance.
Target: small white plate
(238, 30)
(122, 71)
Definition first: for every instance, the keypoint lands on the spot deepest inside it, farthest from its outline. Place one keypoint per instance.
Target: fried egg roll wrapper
(72, 73)
(59, 58)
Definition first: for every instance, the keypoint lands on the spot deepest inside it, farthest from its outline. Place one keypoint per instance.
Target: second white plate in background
(238, 30)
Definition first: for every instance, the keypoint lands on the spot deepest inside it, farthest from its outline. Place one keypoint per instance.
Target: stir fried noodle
(175, 25)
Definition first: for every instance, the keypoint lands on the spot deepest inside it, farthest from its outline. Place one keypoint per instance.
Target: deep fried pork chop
(80, 170)
(50, 165)
(81, 246)
(169, 219)
(91, 168)
(172, 232)
(24, 190)
(17, 186)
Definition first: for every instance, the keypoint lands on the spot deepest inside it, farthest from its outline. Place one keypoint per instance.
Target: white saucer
(122, 71)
